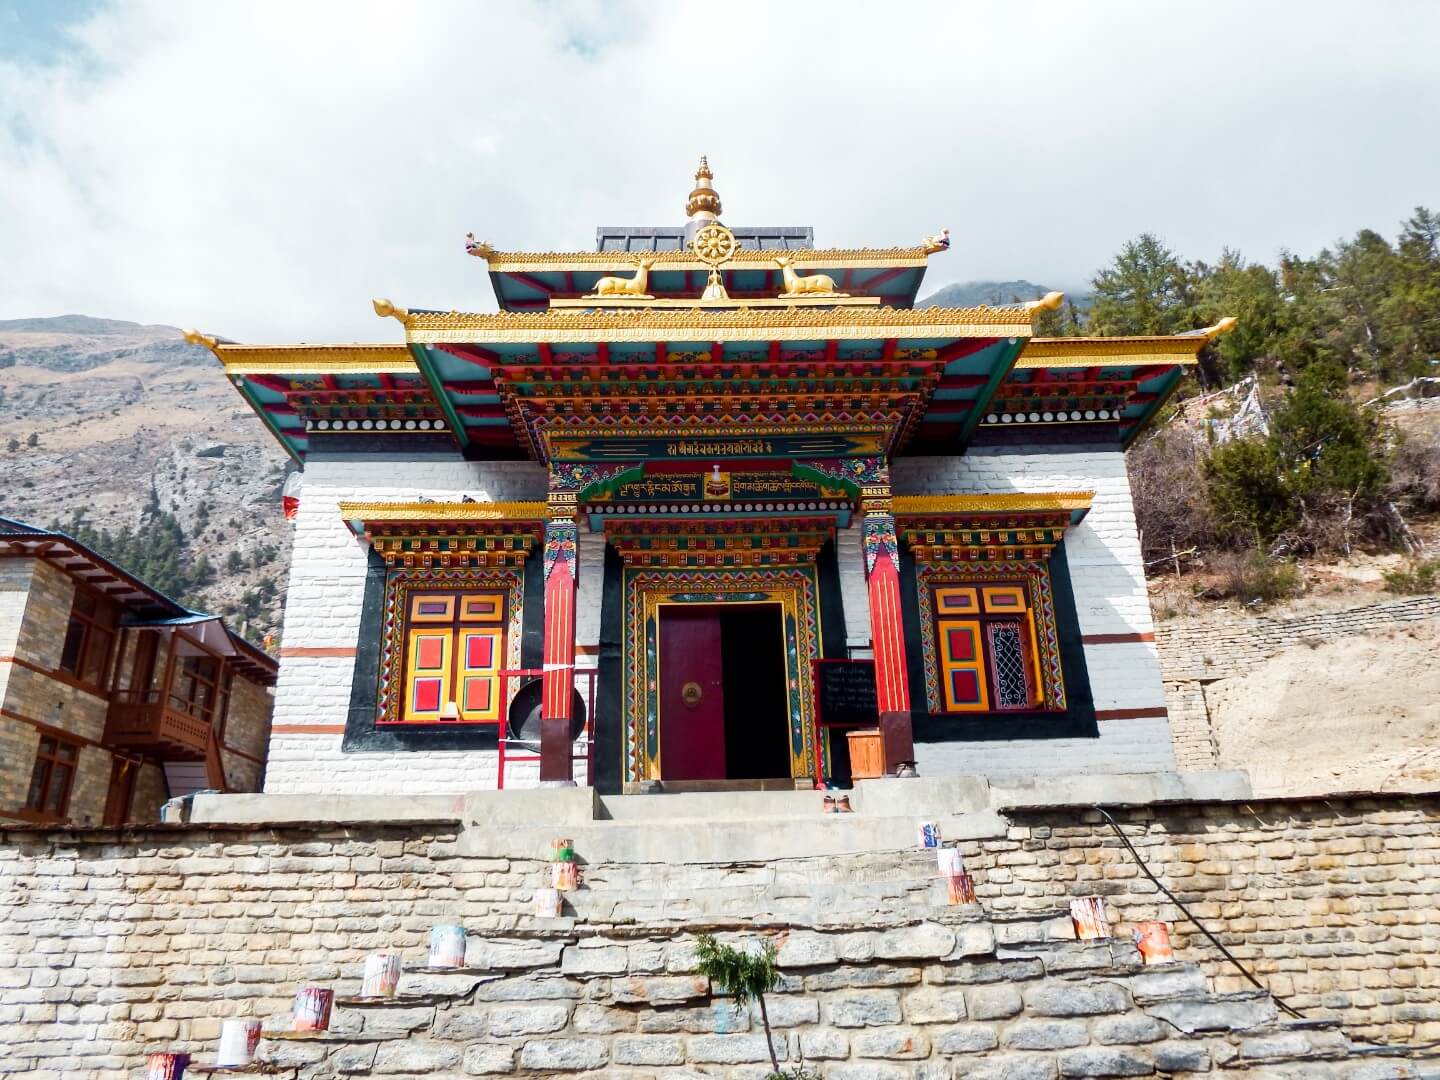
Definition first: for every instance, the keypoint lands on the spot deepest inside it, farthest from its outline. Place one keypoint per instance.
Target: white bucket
(238, 1040)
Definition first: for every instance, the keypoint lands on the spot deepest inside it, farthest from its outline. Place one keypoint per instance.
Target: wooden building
(113, 697)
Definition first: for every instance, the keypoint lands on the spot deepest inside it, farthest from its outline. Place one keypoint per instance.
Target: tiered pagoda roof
(704, 330)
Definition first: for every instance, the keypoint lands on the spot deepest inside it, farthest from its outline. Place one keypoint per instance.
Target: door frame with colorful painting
(647, 591)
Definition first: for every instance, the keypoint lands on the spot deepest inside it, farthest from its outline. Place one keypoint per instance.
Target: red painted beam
(881, 278)
(542, 350)
(533, 283)
(887, 351)
(602, 351)
(660, 353)
(473, 354)
(957, 350)
(470, 386)
(955, 382)
(271, 382)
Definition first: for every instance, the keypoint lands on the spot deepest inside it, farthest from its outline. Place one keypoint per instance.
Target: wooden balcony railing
(147, 720)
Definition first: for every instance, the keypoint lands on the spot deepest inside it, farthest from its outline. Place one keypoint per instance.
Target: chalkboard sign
(845, 690)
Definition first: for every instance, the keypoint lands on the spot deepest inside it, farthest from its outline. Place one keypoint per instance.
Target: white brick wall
(1108, 583)
(328, 574)
(322, 610)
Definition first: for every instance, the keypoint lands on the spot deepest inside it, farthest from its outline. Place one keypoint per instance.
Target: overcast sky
(261, 170)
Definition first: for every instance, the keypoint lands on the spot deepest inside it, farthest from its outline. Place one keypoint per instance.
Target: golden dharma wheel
(715, 244)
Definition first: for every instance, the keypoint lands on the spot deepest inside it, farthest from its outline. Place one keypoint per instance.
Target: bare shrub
(1167, 481)
(1415, 472)
(1251, 578)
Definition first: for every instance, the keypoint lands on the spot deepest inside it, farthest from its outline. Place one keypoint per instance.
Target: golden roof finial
(195, 337)
(704, 203)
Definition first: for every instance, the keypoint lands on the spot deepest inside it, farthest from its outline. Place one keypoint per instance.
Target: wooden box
(867, 753)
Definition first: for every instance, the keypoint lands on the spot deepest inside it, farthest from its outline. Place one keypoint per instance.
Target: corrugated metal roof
(672, 238)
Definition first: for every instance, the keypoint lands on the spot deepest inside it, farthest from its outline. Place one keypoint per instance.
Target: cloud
(263, 169)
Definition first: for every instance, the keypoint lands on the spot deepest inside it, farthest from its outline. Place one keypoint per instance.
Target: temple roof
(1124, 381)
(527, 281)
(705, 332)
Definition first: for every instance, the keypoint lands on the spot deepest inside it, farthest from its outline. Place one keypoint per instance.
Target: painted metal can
(565, 876)
(959, 885)
(238, 1040)
(927, 834)
(166, 1065)
(562, 850)
(547, 903)
(1152, 938)
(382, 975)
(1088, 915)
(312, 1008)
(447, 947)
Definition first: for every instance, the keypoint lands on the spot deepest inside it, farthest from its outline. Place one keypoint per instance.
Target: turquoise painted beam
(432, 379)
(1010, 352)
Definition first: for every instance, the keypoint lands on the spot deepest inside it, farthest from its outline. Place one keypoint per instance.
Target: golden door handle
(691, 694)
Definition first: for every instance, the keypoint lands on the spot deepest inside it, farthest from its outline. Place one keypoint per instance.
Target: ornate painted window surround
(1041, 602)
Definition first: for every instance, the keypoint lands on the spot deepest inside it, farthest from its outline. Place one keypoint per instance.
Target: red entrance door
(692, 698)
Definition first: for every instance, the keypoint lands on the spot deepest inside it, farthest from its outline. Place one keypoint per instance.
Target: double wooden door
(692, 695)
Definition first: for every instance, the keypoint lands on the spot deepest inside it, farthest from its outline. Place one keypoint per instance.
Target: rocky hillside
(96, 414)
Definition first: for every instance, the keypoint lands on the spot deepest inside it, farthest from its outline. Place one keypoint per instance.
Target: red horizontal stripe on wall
(1130, 714)
(1116, 639)
(307, 729)
(319, 650)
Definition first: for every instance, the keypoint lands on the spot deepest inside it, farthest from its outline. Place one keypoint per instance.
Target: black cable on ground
(1373, 1046)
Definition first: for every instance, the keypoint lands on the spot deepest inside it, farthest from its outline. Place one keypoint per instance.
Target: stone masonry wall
(116, 943)
(1194, 652)
(30, 695)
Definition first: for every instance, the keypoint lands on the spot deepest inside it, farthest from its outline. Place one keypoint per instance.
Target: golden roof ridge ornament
(1051, 301)
(804, 284)
(1224, 326)
(939, 242)
(704, 201)
(632, 288)
(385, 309)
(482, 249)
(195, 337)
(714, 245)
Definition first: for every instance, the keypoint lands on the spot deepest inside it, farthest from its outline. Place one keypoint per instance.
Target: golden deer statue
(631, 286)
(809, 285)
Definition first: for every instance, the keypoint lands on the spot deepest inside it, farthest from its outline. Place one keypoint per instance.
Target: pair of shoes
(842, 805)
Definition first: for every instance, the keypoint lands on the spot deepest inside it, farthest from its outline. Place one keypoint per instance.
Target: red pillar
(558, 680)
(887, 628)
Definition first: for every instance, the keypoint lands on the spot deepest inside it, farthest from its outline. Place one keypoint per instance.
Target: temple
(711, 507)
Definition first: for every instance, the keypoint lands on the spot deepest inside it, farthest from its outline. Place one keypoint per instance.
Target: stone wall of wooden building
(121, 942)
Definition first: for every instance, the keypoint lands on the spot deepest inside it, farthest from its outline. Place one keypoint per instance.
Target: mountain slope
(97, 413)
(994, 293)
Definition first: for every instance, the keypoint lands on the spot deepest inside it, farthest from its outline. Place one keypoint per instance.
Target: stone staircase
(881, 980)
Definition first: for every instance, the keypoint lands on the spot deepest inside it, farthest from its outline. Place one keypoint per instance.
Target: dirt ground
(1357, 713)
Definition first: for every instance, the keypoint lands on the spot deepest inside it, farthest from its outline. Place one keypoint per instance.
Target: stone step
(754, 839)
